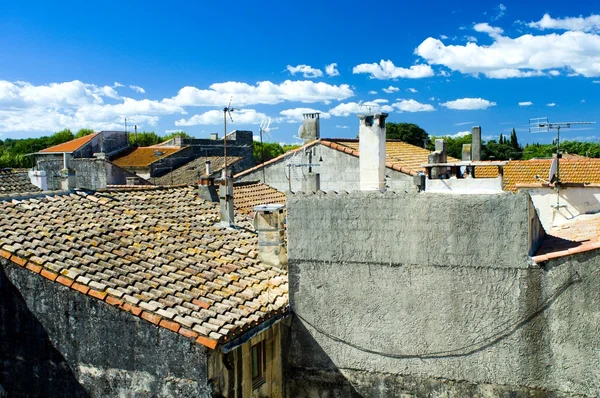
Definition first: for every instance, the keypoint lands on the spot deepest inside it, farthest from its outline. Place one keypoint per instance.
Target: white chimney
(39, 179)
(269, 224)
(371, 136)
(207, 163)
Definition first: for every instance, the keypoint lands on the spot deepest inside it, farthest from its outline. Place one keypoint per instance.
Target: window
(258, 354)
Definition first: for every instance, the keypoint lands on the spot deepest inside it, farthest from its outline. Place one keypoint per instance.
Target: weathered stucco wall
(57, 342)
(434, 295)
(338, 172)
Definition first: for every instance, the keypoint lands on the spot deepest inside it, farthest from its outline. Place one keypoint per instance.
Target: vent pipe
(371, 136)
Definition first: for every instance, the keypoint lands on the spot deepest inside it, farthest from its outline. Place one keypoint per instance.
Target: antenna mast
(542, 123)
(226, 111)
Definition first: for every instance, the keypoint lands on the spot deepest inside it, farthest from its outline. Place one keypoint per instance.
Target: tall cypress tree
(513, 140)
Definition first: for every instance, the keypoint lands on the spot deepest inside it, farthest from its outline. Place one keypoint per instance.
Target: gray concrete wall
(338, 172)
(434, 295)
(57, 342)
(239, 143)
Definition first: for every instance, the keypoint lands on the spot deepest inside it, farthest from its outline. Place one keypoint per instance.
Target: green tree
(513, 140)
(271, 151)
(493, 150)
(60, 137)
(407, 132)
(145, 138)
(537, 151)
(84, 132)
(453, 144)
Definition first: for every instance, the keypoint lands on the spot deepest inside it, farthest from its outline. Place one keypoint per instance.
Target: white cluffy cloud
(391, 89)
(137, 89)
(460, 134)
(525, 103)
(307, 71)
(588, 24)
(412, 90)
(74, 104)
(239, 116)
(387, 70)
(331, 70)
(412, 106)
(523, 56)
(468, 104)
(373, 92)
(349, 108)
(296, 114)
(264, 92)
(501, 11)
(551, 104)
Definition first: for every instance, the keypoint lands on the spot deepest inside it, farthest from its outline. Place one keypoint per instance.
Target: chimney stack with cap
(269, 224)
(310, 129)
(372, 151)
(207, 164)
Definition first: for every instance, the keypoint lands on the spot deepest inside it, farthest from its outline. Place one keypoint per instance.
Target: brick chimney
(207, 189)
(269, 224)
(372, 151)
(476, 143)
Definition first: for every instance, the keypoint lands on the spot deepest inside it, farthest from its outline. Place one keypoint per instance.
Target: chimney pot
(269, 223)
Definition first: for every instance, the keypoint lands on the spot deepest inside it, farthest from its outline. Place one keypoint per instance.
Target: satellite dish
(553, 169)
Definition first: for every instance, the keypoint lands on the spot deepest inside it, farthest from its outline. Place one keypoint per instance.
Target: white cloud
(471, 39)
(339, 126)
(412, 90)
(468, 104)
(443, 37)
(554, 73)
(588, 24)
(137, 89)
(306, 70)
(391, 89)
(296, 114)
(345, 109)
(431, 98)
(412, 106)
(264, 92)
(117, 84)
(523, 56)
(463, 123)
(500, 12)
(460, 134)
(387, 70)
(240, 116)
(380, 101)
(525, 103)
(551, 104)
(373, 92)
(331, 70)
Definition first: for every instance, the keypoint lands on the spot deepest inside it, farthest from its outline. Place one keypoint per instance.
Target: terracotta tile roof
(70, 146)
(189, 172)
(143, 156)
(12, 181)
(516, 172)
(579, 235)
(158, 254)
(400, 156)
(247, 195)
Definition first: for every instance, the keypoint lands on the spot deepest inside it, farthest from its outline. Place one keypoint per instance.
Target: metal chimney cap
(269, 207)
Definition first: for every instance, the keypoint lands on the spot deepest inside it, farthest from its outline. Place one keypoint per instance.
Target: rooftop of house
(400, 156)
(189, 172)
(70, 146)
(575, 236)
(247, 195)
(143, 156)
(523, 172)
(158, 254)
(15, 182)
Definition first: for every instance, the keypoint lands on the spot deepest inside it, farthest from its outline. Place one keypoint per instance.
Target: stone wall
(58, 342)
(338, 171)
(239, 143)
(435, 295)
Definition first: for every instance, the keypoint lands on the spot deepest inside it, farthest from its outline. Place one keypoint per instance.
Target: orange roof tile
(400, 156)
(582, 171)
(158, 254)
(143, 156)
(248, 195)
(70, 146)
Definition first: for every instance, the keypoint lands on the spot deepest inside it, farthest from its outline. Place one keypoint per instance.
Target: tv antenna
(543, 125)
(264, 128)
(368, 105)
(226, 112)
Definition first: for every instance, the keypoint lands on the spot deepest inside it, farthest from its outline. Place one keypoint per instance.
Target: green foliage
(271, 150)
(407, 132)
(453, 145)
(493, 150)
(83, 133)
(145, 138)
(538, 151)
(290, 147)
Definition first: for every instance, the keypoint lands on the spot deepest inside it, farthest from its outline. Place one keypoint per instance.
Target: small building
(139, 292)
(332, 164)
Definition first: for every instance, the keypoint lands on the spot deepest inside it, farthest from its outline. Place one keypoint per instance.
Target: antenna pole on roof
(541, 123)
(226, 111)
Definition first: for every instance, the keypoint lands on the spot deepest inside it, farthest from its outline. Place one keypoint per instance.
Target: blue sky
(174, 65)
